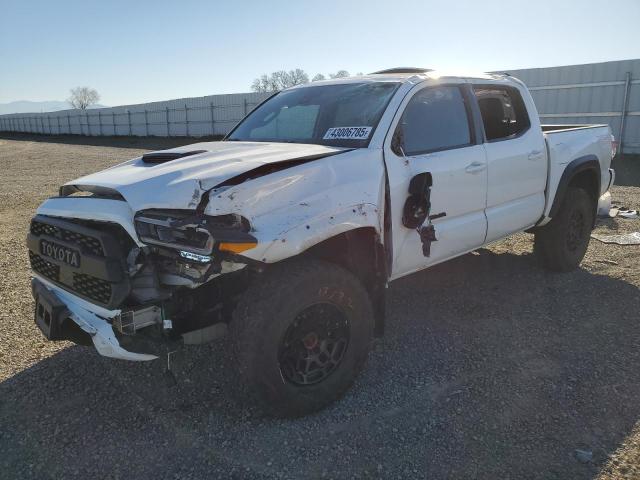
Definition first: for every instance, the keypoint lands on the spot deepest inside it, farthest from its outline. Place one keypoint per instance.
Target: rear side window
(503, 112)
(435, 119)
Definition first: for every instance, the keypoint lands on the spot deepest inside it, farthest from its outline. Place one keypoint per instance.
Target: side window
(503, 112)
(435, 119)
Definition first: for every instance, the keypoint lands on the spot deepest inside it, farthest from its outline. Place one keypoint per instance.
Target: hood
(179, 183)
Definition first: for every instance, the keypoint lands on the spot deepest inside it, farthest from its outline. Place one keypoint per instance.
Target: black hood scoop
(162, 157)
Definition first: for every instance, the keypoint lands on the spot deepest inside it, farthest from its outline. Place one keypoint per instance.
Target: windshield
(343, 115)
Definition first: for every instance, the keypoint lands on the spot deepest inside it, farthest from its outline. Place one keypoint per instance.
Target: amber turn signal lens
(236, 247)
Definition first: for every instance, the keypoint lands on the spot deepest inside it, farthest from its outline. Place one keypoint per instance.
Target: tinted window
(340, 114)
(503, 112)
(435, 119)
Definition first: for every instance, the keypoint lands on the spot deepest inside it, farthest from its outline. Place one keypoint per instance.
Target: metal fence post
(186, 119)
(146, 123)
(99, 123)
(244, 102)
(129, 120)
(213, 123)
(167, 119)
(623, 112)
(58, 122)
(113, 121)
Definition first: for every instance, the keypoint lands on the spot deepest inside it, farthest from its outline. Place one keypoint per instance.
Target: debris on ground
(623, 212)
(584, 456)
(628, 213)
(623, 239)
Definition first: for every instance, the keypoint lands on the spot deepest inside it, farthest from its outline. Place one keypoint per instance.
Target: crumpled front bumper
(55, 306)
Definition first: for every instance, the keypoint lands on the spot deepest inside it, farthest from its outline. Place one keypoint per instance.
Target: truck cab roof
(414, 75)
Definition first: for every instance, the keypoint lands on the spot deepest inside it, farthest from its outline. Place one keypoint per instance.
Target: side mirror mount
(420, 183)
(418, 203)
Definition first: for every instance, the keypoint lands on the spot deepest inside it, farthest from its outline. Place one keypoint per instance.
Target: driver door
(435, 134)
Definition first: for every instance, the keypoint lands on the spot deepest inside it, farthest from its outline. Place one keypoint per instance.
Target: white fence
(200, 116)
(607, 92)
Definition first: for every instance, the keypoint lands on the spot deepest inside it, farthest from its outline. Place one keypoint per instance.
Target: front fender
(319, 228)
(293, 209)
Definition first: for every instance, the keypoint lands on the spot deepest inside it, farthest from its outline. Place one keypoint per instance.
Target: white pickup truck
(288, 231)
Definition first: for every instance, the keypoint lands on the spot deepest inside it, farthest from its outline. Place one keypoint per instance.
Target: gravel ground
(490, 368)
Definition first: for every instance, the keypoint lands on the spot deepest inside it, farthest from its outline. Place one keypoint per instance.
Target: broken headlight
(197, 234)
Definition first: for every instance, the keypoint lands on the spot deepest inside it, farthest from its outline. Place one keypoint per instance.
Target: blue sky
(139, 51)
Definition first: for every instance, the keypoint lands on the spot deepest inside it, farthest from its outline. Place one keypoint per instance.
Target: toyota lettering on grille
(62, 254)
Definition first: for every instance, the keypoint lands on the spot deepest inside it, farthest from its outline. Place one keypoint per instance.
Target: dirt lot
(490, 368)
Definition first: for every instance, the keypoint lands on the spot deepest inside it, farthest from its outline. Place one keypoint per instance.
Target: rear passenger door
(433, 133)
(517, 165)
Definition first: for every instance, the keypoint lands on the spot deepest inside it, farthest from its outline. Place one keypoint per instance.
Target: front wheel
(562, 243)
(301, 333)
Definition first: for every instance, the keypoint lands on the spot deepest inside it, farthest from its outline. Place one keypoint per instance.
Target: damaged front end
(96, 284)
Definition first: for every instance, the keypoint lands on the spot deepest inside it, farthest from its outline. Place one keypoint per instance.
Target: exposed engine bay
(170, 283)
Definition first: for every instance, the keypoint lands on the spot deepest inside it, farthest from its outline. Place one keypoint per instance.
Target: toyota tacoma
(284, 236)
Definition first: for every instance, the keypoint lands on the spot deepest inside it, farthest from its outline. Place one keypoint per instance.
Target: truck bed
(569, 142)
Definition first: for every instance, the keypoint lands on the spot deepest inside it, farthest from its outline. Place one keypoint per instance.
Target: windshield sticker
(347, 133)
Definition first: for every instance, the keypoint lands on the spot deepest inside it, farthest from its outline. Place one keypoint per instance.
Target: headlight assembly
(197, 234)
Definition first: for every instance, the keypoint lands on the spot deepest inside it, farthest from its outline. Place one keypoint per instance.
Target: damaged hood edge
(182, 183)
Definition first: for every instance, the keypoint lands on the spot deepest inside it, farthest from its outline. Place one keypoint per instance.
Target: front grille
(38, 228)
(92, 287)
(86, 243)
(44, 268)
(100, 275)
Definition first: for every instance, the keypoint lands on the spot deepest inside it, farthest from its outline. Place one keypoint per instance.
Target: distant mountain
(26, 106)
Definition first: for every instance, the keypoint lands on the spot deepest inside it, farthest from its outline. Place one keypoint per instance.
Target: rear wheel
(562, 243)
(300, 336)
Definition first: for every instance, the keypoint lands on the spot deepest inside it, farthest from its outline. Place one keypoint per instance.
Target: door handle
(475, 167)
(534, 155)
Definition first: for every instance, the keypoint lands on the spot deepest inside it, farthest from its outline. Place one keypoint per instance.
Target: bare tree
(339, 74)
(318, 77)
(82, 97)
(297, 77)
(279, 80)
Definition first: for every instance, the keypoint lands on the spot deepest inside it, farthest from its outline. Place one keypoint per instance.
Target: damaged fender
(298, 207)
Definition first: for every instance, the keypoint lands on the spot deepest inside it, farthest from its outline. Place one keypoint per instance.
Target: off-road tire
(562, 243)
(266, 311)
